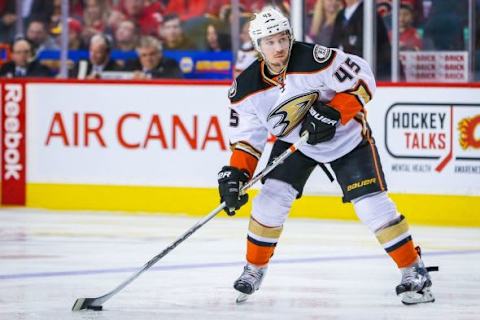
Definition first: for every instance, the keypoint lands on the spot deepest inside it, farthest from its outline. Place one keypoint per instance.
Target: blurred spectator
(126, 36)
(151, 63)
(147, 14)
(23, 63)
(7, 21)
(76, 9)
(95, 16)
(253, 5)
(445, 24)
(188, 9)
(195, 16)
(216, 41)
(324, 14)
(409, 39)
(98, 61)
(37, 33)
(54, 22)
(32, 10)
(75, 40)
(76, 13)
(171, 32)
(246, 54)
(35, 10)
(348, 36)
(384, 9)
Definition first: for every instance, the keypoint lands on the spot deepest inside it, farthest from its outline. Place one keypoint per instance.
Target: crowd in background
(148, 27)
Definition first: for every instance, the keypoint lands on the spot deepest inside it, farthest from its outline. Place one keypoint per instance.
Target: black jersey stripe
(398, 244)
(261, 243)
(302, 61)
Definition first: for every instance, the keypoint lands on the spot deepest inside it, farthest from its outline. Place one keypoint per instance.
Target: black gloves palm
(320, 123)
(230, 182)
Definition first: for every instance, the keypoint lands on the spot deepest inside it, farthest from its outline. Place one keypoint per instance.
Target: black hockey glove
(230, 181)
(320, 122)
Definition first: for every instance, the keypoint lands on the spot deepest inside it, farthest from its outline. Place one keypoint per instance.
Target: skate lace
(410, 275)
(415, 277)
(252, 274)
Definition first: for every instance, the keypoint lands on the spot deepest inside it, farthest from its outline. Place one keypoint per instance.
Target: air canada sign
(85, 129)
(433, 137)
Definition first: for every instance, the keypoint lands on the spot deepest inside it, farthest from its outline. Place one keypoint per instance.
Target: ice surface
(322, 269)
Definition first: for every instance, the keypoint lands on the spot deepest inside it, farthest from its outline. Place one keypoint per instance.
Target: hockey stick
(96, 303)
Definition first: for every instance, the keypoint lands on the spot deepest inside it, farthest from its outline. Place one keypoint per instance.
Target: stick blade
(86, 303)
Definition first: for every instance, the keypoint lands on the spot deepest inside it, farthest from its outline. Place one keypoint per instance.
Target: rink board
(156, 147)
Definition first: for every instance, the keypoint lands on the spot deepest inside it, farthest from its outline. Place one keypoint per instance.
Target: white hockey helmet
(266, 23)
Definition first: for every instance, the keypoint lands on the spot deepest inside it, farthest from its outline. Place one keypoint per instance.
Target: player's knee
(375, 210)
(272, 205)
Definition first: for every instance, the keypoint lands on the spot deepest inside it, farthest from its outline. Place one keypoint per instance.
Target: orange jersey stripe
(244, 161)
(404, 255)
(347, 104)
(375, 162)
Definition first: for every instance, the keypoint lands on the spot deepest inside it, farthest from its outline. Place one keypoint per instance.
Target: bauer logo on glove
(320, 123)
(230, 182)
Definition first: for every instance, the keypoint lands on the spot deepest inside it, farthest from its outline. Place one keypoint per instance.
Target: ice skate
(249, 281)
(416, 283)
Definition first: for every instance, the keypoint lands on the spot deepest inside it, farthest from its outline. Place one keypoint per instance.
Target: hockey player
(299, 87)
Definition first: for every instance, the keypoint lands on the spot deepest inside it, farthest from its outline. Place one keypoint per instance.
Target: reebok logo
(13, 136)
(322, 118)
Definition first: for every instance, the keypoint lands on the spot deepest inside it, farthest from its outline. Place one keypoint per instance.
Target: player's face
(276, 48)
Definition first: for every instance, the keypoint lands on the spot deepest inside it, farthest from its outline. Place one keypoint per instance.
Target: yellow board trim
(442, 210)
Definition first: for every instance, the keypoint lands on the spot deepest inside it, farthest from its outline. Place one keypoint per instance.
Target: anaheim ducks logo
(290, 113)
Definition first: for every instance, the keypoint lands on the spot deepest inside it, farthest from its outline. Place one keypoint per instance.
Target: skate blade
(242, 297)
(411, 298)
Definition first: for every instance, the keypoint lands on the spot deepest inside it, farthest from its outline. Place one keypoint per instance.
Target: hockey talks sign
(13, 143)
(436, 133)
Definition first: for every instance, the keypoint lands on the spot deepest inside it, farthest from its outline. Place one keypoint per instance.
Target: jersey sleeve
(353, 82)
(248, 136)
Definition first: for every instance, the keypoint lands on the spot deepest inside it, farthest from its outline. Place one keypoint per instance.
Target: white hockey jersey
(260, 105)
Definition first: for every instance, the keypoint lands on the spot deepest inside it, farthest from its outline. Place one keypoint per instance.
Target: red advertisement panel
(13, 143)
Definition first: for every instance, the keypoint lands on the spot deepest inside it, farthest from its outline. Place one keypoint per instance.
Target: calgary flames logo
(467, 132)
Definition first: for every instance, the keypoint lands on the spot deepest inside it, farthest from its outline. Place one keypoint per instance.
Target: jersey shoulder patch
(308, 57)
(233, 89)
(247, 83)
(321, 54)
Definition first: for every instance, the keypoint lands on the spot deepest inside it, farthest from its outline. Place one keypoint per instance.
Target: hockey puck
(95, 308)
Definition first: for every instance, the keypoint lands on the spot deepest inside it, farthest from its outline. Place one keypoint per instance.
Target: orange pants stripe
(257, 254)
(404, 255)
